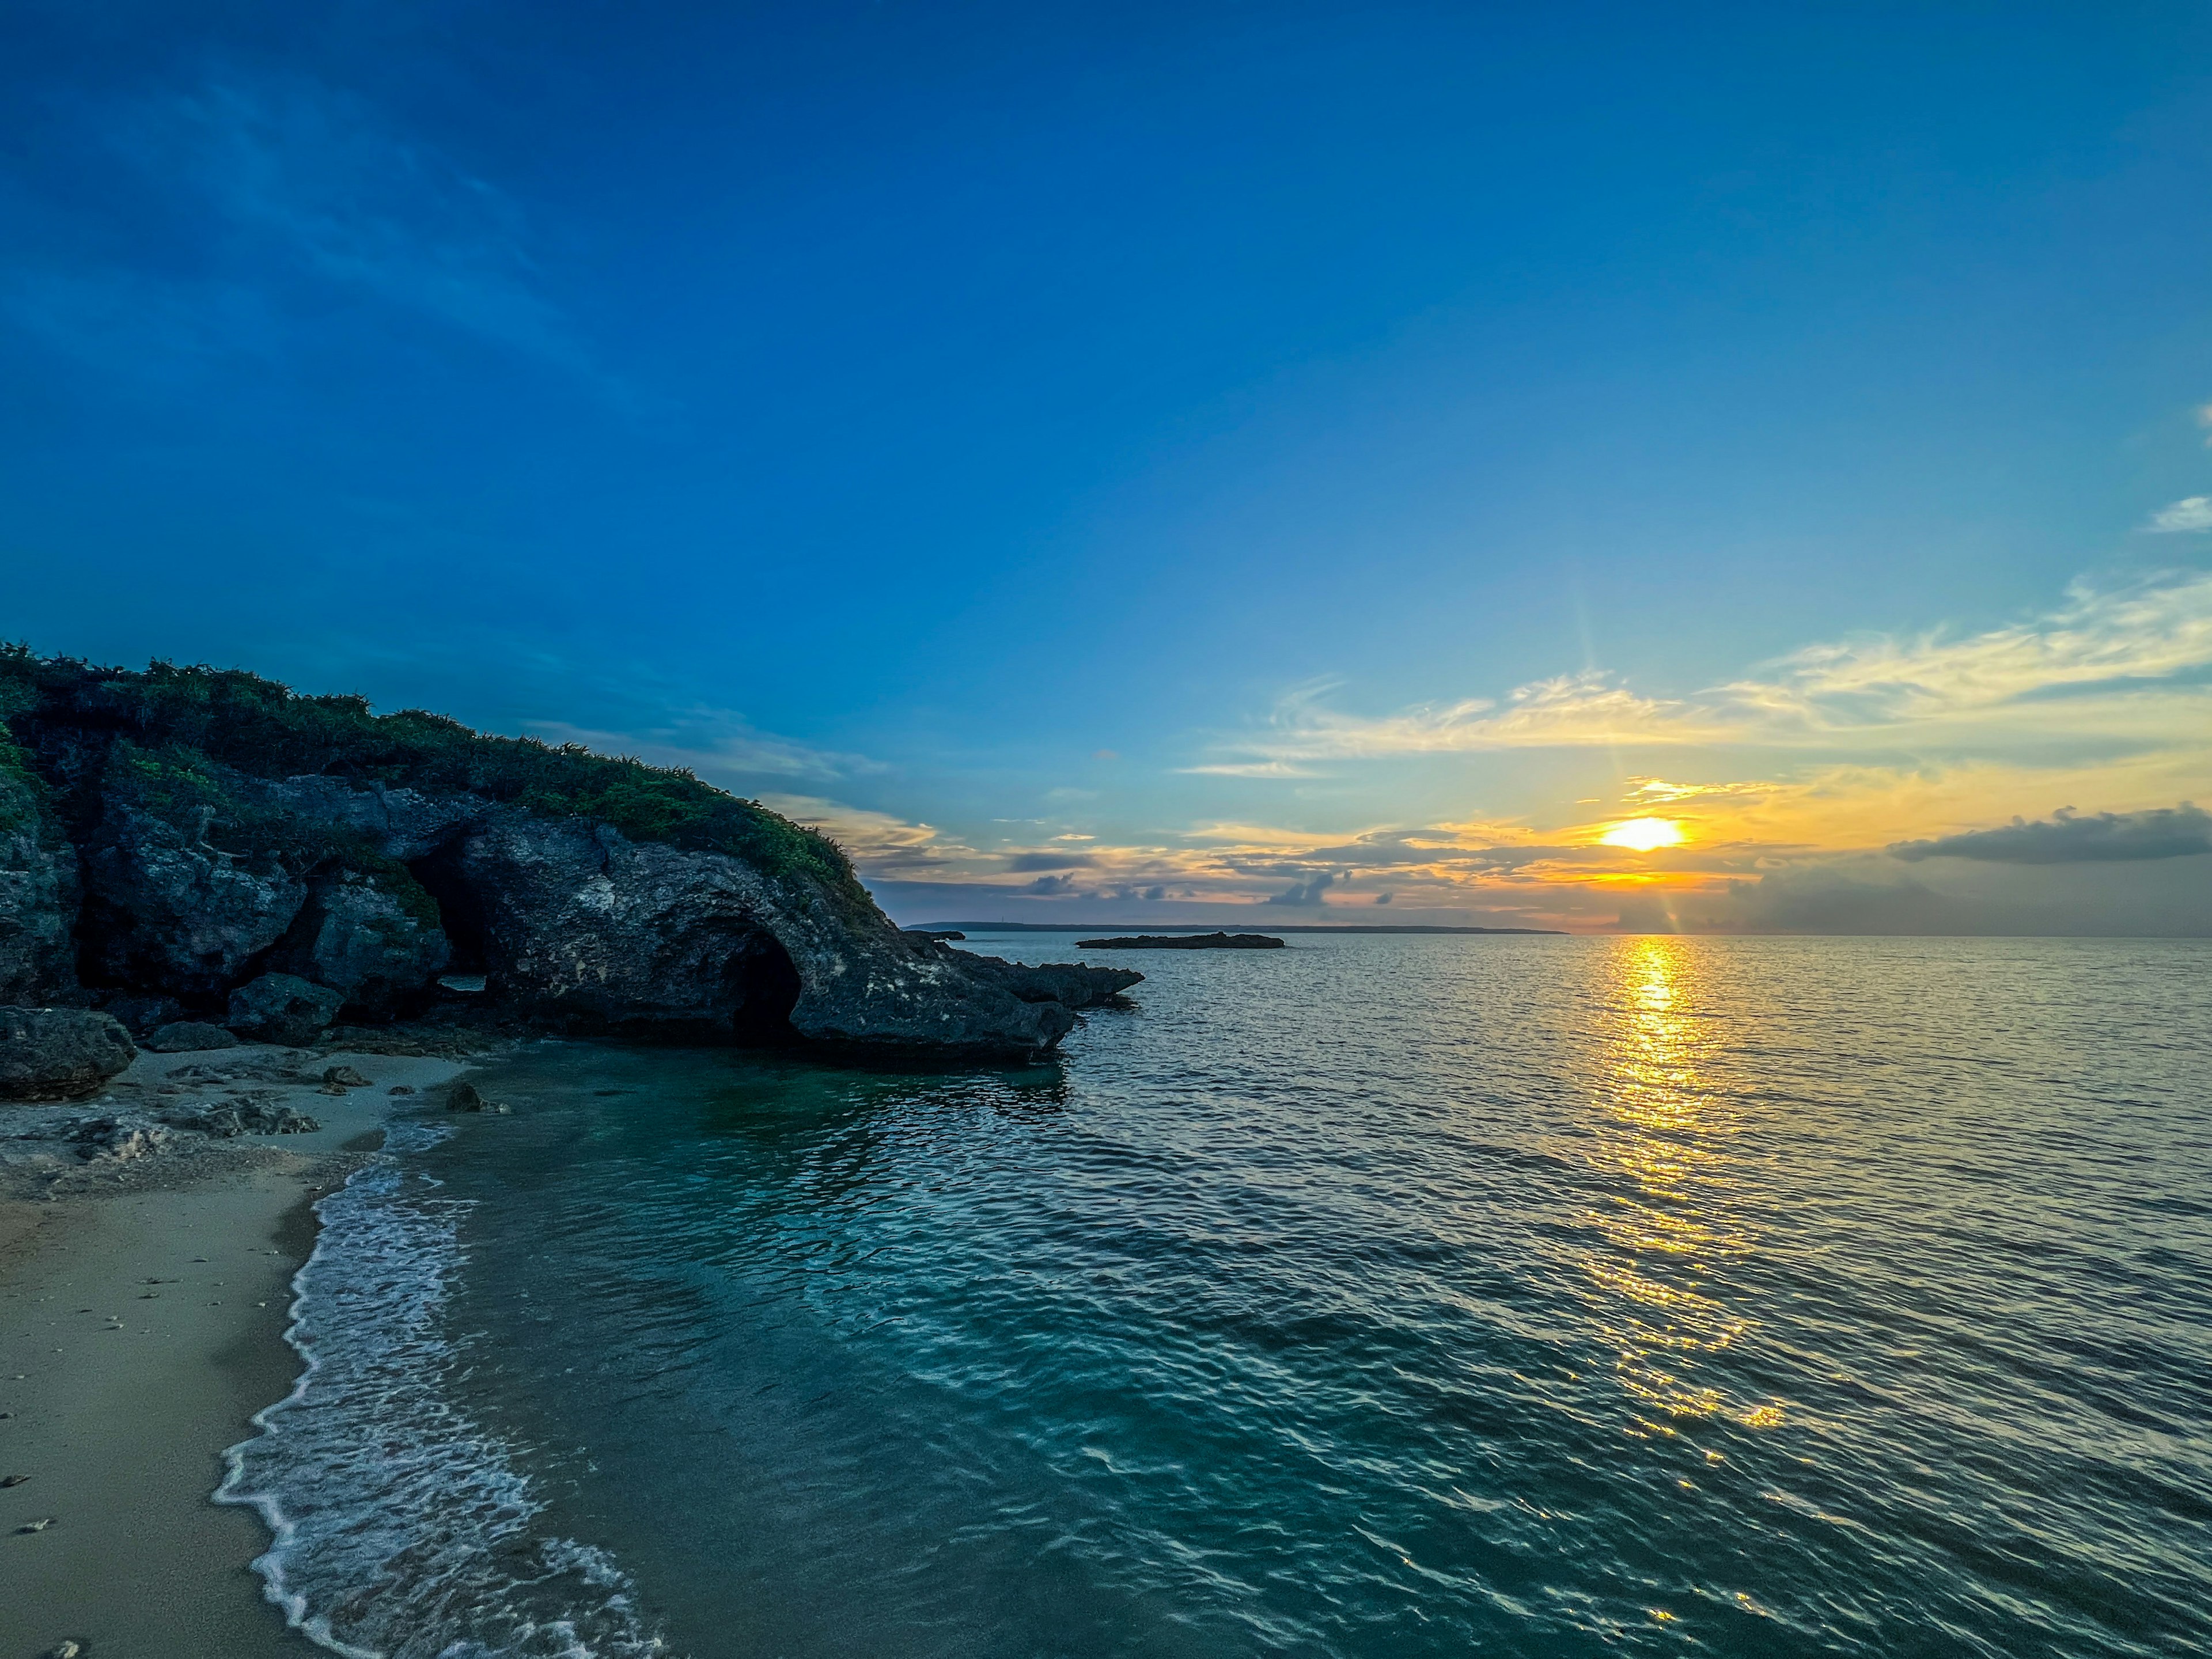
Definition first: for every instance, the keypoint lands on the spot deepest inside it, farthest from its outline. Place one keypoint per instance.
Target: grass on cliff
(58, 707)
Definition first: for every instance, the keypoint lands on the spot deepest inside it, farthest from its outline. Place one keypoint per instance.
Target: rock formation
(272, 863)
(38, 890)
(1071, 984)
(59, 1053)
(1184, 942)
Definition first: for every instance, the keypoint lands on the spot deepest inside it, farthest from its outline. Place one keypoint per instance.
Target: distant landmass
(1184, 942)
(1210, 926)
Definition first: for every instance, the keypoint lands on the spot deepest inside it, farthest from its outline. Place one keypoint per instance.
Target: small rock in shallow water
(401, 1089)
(465, 1098)
(66, 1650)
(346, 1077)
(14, 1480)
(36, 1526)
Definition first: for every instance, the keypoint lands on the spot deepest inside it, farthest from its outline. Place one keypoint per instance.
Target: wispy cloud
(288, 188)
(879, 843)
(719, 745)
(2107, 658)
(2191, 512)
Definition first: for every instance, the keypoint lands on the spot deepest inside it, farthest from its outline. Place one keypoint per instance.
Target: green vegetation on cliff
(78, 721)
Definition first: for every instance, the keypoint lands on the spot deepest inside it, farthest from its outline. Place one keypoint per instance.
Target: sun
(1645, 835)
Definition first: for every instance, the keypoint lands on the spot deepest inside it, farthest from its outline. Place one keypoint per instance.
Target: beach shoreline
(142, 1313)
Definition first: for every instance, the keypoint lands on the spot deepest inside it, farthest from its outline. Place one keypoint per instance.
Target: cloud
(1023, 863)
(2191, 512)
(2121, 662)
(1052, 884)
(718, 743)
(1251, 769)
(1305, 892)
(2165, 832)
(301, 200)
(877, 842)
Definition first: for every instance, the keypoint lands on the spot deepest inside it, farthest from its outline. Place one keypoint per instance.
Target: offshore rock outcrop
(270, 862)
(1071, 984)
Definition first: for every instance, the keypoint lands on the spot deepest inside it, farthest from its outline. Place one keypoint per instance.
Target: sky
(1608, 467)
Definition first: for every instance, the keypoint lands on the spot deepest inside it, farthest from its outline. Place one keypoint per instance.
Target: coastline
(125, 1392)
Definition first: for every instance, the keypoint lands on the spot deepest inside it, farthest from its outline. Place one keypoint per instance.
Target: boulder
(188, 1037)
(283, 1008)
(374, 939)
(168, 911)
(59, 1053)
(38, 893)
(143, 1014)
(584, 927)
(1071, 984)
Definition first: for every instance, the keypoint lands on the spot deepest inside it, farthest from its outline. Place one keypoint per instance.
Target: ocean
(1381, 1295)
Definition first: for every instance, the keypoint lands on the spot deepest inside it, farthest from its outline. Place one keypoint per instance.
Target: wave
(402, 1528)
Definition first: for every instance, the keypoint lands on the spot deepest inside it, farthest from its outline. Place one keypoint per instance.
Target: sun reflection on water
(1660, 1138)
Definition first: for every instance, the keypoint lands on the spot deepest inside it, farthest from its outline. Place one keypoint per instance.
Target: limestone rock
(118, 1139)
(38, 895)
(143, 1014)
(283, 1008)
(166, 910)
(382, 948)
(59, 1053)
(1216, 941)
(583, 925)
(187, 1036)
(1071, 984)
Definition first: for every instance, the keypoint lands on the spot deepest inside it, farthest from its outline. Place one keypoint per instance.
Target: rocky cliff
(188, 843)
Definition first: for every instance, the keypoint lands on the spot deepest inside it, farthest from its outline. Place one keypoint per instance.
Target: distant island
(942, 928)
(1216, 941)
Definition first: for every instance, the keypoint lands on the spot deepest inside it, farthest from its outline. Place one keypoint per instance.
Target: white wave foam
(402, 1529)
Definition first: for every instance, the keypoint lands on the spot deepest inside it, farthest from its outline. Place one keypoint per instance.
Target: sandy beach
(143, 1307)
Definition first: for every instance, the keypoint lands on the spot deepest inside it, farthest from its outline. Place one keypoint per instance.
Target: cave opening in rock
(765, 988)
(460, 912)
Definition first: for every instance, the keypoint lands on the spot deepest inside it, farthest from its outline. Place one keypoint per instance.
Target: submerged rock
(466, 1097)
(283, 1008)
(59, 1053)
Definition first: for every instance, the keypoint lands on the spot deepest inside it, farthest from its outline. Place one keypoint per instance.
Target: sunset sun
(1644, 835)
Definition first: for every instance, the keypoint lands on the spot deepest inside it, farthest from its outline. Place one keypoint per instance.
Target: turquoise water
(1376, 1296)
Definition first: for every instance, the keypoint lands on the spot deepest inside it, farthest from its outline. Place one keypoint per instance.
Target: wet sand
(141, 1327)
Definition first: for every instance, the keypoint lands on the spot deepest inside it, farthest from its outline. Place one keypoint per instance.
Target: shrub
(175, 720)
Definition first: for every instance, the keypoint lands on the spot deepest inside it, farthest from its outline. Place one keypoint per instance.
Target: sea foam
(402, 1528)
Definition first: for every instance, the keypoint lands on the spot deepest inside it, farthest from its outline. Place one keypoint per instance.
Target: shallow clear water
(1375, 1297)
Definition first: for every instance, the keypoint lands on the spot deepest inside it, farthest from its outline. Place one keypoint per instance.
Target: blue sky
(1149, 462)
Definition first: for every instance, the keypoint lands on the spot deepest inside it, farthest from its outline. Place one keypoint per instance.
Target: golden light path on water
(1663, 1134)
